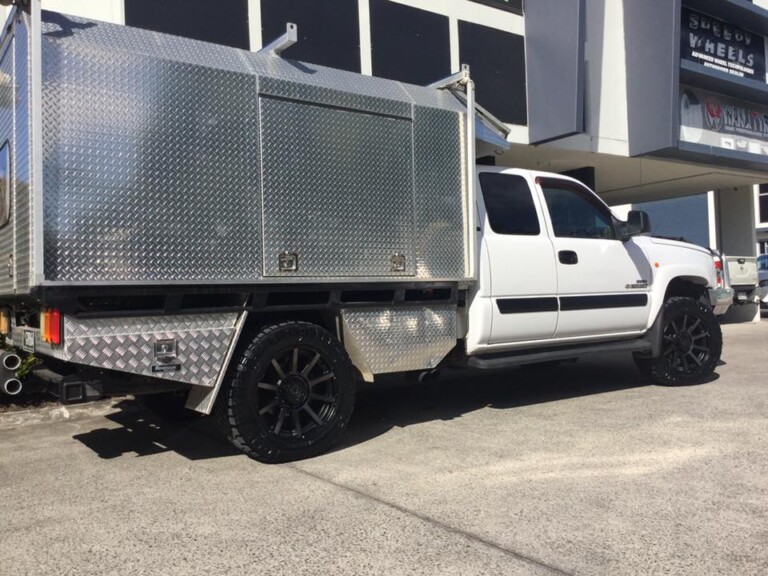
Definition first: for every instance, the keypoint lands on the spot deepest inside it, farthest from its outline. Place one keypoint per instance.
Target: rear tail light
(5, 322)
(50, 326)
(719, 272)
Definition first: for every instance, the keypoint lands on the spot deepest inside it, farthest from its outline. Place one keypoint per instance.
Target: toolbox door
(338, 183)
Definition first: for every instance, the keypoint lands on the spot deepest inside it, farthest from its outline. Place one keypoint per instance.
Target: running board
(497, 361)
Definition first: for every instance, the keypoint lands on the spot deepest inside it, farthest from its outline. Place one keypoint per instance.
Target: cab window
(575, 212)
(509, 204)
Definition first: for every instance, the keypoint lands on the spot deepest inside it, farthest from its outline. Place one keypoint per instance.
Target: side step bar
(498, 361)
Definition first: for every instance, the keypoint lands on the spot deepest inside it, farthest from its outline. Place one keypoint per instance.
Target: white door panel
(520, 254)
(524, 280)
(602, 281)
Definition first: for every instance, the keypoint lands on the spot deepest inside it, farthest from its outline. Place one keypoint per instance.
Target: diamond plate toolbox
(168, 160)
(184, 348)
(388, 340)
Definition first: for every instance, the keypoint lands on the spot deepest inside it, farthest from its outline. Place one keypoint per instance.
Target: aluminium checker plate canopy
(163, 160)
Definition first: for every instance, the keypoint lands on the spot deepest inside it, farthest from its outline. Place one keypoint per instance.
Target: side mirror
(638, 222)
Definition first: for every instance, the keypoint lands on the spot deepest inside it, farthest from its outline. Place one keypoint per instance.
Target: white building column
(735, 220)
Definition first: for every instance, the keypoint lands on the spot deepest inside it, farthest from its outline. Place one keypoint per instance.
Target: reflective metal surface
(7, 101)
(128, 345)
(397, 340)
(172, 160)
(442, 221)
(151, 169)
(327, 198)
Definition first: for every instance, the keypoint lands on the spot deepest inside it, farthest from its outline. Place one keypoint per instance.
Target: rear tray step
(69, 389)
(498, 361)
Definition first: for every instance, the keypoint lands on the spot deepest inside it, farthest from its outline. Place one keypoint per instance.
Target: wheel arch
(679, 285)
(684, 286)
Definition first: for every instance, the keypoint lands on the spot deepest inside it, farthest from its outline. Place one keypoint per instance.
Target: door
(522, 265)
(603, 282)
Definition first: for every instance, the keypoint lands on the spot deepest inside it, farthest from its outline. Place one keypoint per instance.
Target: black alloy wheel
(291, 394)
(296, 396)
(691, 344)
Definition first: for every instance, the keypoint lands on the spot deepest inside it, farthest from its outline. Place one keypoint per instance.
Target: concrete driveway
(580, 469)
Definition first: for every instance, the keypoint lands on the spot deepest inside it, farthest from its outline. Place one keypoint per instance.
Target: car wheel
(691, 344)
(291, 394)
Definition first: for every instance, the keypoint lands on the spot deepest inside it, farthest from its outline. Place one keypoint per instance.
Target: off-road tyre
(170, 406)
(691, 344)
(290, 394)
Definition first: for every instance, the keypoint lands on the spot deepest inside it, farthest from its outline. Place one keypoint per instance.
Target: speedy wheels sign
(718, 45)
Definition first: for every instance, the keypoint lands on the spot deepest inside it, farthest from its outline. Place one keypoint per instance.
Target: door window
(509, 204)
(575, 212)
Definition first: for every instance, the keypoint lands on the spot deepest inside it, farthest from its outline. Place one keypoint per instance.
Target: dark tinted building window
(497, 65)
(223, 22)
(408, 44)
(329, 30)
(509, 204)
(515, 6)
(763, 203)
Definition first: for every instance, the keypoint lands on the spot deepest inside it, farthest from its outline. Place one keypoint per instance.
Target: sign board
(715, 120)
(720, 46)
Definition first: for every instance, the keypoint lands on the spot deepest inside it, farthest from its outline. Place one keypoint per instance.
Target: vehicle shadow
(393, 402)
(396, 403)
(141, 433)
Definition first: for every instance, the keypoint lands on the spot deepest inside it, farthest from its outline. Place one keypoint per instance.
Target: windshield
(762, 262)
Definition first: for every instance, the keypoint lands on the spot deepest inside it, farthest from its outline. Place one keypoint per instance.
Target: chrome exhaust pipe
(12, 387)
(11, 361)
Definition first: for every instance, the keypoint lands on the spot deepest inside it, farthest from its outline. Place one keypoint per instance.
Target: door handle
(568, 257)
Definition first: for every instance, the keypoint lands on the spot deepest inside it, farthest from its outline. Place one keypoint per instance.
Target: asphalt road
(580, 469)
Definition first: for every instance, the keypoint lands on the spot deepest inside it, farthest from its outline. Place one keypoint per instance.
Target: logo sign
(715, 120)
(720, 46)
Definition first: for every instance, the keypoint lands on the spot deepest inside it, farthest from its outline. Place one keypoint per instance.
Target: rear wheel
(291, 394)
(691, 344)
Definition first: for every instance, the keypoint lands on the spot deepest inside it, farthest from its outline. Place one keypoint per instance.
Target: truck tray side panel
(441, 220)
(24, 198)
(150, 169)
(15, 254)
(7, 141)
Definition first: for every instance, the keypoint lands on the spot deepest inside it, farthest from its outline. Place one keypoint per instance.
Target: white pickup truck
(741, 274)
(244, 235)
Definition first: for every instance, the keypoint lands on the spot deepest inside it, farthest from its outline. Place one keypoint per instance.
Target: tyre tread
(241, 433)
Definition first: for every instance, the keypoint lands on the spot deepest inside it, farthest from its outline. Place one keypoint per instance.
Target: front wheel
(291, 394)
(691, 344)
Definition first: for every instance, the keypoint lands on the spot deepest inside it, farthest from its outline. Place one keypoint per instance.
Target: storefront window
(763, 206)
(515, 6)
